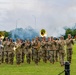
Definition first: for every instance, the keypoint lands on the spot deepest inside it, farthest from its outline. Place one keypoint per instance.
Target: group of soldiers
(50, 49)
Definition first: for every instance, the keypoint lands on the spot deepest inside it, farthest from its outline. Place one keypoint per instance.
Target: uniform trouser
(61, 57)
(0, 57)
(51, 56)
(18, 58)
(40, 55)
(45, 55)
(69, 55)
(29, 56)
(32, 53)
(36, 56)
(6, 57)
(23, 56)
(10, 57)
(57, 55)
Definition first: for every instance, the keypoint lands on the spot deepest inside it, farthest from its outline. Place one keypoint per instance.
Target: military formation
(38, 49)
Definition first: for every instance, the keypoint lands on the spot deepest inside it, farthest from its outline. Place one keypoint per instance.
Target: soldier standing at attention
(44, 49)
(28, 51)
(36, 50)
(18, 52)
(23, 51)
(49, 49)
(53, 50)
(69, 43)
(32, 44)
(5, 43)
(10, 52)
(1, 49)
(61, 50)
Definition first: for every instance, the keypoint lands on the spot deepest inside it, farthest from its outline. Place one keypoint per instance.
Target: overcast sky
(52, 15)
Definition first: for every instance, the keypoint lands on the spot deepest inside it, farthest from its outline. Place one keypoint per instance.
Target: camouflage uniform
(10, 53)
(53, 48)
(28, 52)
(44, 50)
(23, 52)
(1, 52)
(61, 51)
(18, 53)
(50, 51)
(6, 51)
(57, 50)
(1, 49)
(36, 51)
(32, 44)
(69, 43)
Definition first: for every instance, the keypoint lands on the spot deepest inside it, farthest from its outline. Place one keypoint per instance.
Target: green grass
(41, 69)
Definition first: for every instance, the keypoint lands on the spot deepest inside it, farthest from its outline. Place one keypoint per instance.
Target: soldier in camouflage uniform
(49, 49)
(28, 51)
(69, 43)
(23, 51)
(6, 43)
(10, 52)
(32, 44)
(61, 50)
(1, 49)
(18, 52)
(44, 46)
(36, 48)
(52, 48)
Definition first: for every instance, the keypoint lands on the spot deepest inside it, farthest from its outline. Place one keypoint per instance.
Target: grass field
(41, 69)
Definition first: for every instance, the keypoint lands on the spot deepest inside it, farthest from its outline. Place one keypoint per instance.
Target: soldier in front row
(1, 50)
(36, 48)
(61, 50)
(10, 52)
(5, 44)
(23, 50)
(28, 51)
(18, 52)
(69, 43)
(44, 45)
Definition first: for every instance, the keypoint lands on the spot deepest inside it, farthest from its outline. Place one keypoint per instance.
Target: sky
(51, 15)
